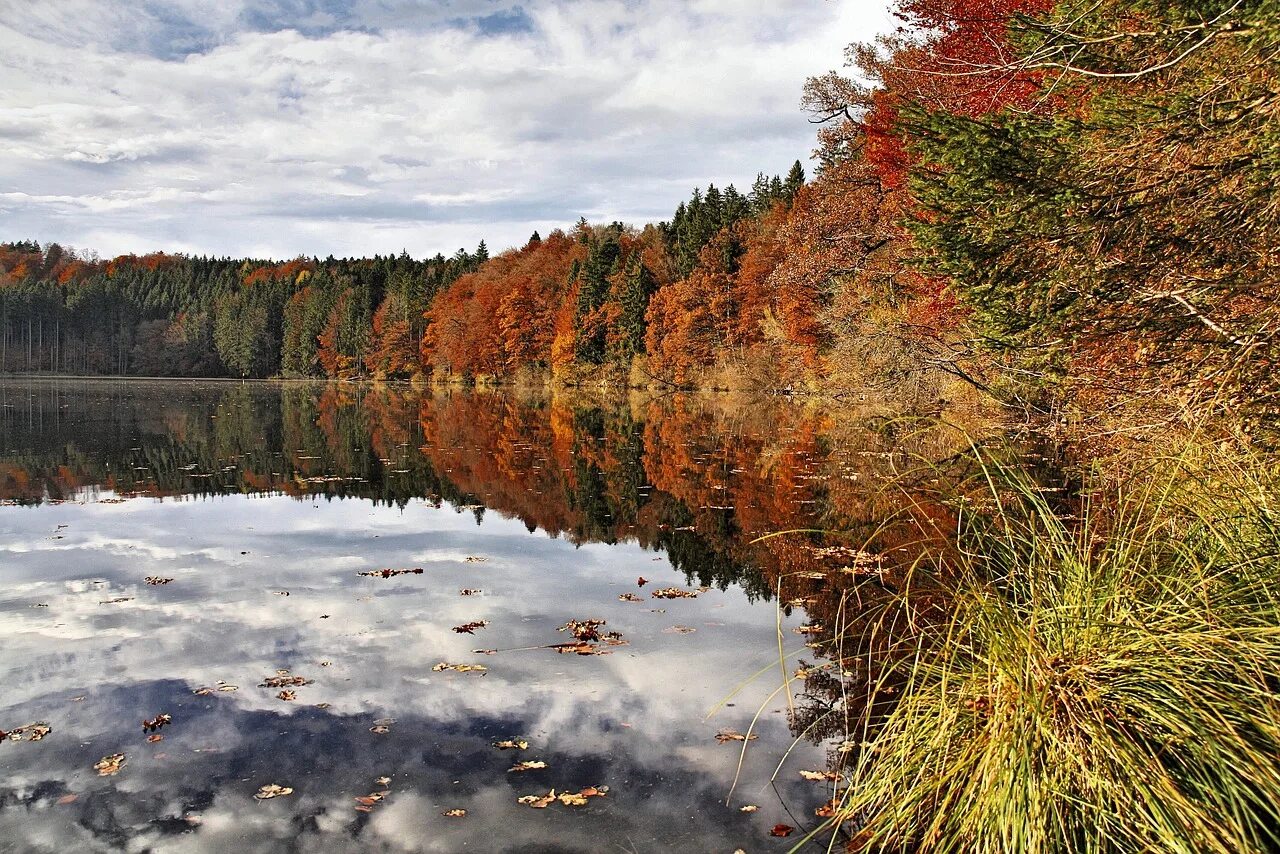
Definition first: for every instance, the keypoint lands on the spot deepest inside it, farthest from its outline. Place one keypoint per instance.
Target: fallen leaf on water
(748, 808)
(116, 601)
(27, 732)
(155, 723)
(469, 591)
(629, 597)
(828, 809)
(110, 765)
(726, 735)
(203, 692)
(460, 668)
(641, 581)
(383, 781)
(283, 681)
(679, 630)
(781, 830)
(287, 695)
(819, 775)
(322, 705)
(476, 559)
(528, 766)
(813, 629)
(454, 813)
(581, 648)
(67, 799)
(569, 799)
(380, 729)
(538, 802)
(470, 628)
(674, 593)
(280, 592)
(156, 580)
(227, 689)
(484, 651)
(153, 739)
(583, 630)
(271, 790)
(389, 573)
(512, 744)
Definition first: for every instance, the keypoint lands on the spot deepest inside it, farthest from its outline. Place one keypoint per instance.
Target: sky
(278, 128)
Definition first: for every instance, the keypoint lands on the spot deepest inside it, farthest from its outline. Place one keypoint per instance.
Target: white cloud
(278, 127)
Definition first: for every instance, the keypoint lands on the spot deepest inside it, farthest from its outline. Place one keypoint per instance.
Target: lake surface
(263, 504)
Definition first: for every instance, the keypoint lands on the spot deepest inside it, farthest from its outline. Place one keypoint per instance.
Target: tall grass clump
(1102, 680)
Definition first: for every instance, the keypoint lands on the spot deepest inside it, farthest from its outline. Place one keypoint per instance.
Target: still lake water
(263, 504)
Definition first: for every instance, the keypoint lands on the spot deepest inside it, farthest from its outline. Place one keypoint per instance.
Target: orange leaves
(154, 724)
(27, 732)
(470, 628)
(725, 736)
(569, 799)
(110, 765)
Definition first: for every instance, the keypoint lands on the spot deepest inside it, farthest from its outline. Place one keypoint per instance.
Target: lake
(356, 593)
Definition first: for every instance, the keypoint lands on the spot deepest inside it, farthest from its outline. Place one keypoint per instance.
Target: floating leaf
(227, 689)
(454, 813)
(629, 597)
(287, 695)
(469, 591)
(813, 629)
(470, 628)
(271, 790)
(748, 808)
(67, 799)
(726, 735)
(512, 744)
(380, 729)
(538, 802)
(528, 766)
(153, 739)
(781, 830)
(828, 809)
(27, 732)
(117, 600)
(156, 580)
(389, 573)
(203, 692)
(383, 781)
(110, 765)
(819, 775)
(155, 723)
(583, 630)
(460, 668)
(641, 581)
(674, 593)
(679, 630)
(476, 559)
(283, 681)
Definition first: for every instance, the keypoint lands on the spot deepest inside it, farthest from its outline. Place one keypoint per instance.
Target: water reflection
(233, 492)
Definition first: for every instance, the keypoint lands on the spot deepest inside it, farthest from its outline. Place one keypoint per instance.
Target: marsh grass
(1102, 679)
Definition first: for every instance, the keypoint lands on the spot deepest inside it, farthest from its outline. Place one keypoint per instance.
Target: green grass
(1106, 682)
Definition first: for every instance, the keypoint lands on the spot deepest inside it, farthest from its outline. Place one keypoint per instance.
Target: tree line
(1077, 193)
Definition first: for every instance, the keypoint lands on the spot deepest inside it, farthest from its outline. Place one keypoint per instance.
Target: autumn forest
(1035, 198)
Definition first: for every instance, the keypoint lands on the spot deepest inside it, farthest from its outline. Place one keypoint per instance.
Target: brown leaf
(470, 628)
(528, 766)
(726, 735)
(271, 790)
(110, 765)
(781, 830)
(454, 813)
(512, 744)
(674, 593)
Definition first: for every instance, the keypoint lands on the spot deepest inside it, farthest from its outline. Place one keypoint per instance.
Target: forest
(1041, 200)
